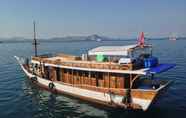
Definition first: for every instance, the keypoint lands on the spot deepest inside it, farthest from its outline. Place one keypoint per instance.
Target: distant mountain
(93, 37)
(167, 38)
(96, 37)
(67, 38)
(14, 40)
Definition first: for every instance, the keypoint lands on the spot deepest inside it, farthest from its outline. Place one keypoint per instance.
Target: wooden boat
(114, 76)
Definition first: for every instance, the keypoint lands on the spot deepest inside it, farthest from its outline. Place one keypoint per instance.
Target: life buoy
(34, 79)
(51, 86)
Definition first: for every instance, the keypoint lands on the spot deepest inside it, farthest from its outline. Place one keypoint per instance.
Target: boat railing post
(34, 69)
(152, 76)
(130, 54)
(130, 81)
(41, 70)
(108, 72)
(151, 51)
(89, 76)
(72, 77)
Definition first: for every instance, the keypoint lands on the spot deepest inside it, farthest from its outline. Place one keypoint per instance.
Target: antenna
(35, 41)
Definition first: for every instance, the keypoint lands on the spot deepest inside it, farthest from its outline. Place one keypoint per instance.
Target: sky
(112, 18)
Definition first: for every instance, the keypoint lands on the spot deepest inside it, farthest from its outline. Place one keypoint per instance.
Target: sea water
(19, 98)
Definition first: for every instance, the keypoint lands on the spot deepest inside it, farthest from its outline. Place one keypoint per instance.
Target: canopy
(161, 68)
(112, 50)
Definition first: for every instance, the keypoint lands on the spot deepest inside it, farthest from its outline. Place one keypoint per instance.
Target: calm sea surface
(21, 99)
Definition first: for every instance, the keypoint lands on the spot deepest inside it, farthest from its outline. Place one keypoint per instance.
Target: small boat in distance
(114, 76)
(172, 38)
(98, 40)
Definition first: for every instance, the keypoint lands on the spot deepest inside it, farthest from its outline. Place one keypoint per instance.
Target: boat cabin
(106, 67)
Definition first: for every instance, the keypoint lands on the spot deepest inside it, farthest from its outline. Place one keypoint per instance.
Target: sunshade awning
(111, 50)
(161, 68)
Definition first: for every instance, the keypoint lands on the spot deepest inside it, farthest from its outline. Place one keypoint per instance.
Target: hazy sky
(114, 18)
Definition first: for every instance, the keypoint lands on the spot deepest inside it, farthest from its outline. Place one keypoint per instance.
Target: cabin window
(137, 53)
(86, 74)
(47, 73)
(70, 72)
(50, 75)
(80, 73)
(58, 74)
(126, 81)
(65, 70)
(100, 80)
(75, 74)
(100, 75)
(93, 74)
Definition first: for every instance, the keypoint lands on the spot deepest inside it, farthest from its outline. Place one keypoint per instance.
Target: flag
(141, 39)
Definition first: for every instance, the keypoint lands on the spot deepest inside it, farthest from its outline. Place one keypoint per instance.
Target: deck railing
(86, 64)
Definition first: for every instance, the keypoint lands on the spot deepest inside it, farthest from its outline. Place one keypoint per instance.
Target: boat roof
(114, 50)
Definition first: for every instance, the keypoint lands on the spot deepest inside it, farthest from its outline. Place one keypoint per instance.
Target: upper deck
(91, 64)
(75, 61)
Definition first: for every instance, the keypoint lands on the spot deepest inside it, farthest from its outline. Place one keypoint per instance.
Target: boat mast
(35, 41)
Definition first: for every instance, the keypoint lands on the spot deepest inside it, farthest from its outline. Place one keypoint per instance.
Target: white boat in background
(99, 40)
(172, 38)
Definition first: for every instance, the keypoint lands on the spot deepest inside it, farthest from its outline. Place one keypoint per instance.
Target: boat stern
(144, 96)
